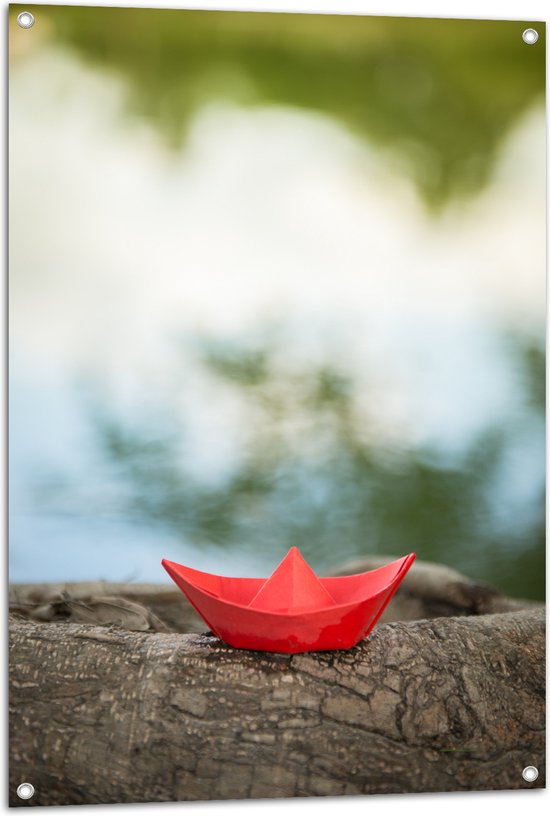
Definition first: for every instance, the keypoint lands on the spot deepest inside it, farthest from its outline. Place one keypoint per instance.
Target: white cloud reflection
(268, 216)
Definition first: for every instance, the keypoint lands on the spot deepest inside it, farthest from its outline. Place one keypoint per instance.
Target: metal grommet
(530, 773)
(25, 19)
(530, 36)
(25, 790)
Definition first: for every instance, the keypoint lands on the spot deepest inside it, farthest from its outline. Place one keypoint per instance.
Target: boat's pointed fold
(293, 586)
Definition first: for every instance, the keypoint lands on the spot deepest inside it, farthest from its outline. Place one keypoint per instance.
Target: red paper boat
(293, 610)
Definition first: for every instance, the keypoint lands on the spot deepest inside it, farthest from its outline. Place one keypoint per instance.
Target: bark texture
(104, 715)
(429, 590)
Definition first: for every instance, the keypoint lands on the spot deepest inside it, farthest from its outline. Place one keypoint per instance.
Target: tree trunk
(104, 715)
(428, 591)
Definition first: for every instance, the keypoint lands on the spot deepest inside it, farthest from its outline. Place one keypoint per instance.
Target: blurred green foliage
(313, 474)
(436, 95)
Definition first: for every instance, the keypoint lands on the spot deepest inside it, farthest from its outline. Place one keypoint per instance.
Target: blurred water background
(275, 280)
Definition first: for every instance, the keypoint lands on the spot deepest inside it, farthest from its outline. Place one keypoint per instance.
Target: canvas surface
(277, 288)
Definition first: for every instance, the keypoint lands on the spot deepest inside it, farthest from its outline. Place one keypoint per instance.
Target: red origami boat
(293, 610)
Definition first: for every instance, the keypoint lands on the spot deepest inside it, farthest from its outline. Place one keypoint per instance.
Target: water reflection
(259, 336)
(436, 95)
(313, 472)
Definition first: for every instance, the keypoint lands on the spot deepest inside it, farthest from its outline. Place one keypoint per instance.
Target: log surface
(105, 715)
(428, 591)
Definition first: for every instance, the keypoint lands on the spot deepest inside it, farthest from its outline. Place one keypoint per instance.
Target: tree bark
(105, 715)
(428, 591)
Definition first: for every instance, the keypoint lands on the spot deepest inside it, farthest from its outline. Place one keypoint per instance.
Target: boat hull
(340, 626)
